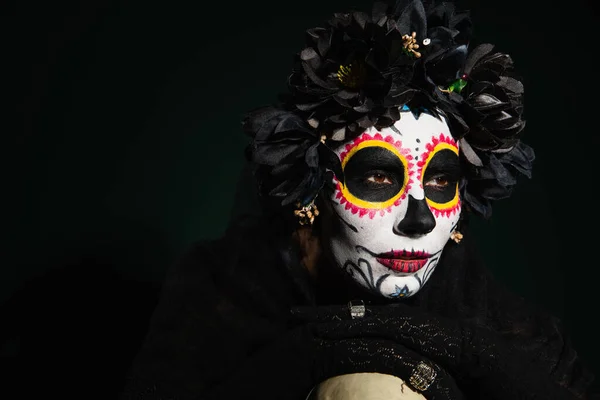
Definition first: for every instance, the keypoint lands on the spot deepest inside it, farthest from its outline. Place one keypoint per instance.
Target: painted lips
(403, 261)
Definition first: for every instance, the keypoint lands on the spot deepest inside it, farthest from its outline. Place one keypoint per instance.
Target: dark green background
(128, 148)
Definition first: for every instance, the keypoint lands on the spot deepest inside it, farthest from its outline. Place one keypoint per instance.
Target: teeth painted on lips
(405, 254)
(404, 261)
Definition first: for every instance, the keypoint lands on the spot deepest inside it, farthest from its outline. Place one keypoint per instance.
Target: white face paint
(398, 205)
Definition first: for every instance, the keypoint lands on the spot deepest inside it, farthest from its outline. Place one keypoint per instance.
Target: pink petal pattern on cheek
(363, 211)
(449, 212)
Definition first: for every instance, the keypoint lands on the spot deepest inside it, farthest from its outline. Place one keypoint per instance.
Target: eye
(379, 179)
(439, 183)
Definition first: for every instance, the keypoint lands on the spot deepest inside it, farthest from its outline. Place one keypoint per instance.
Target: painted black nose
(418, 220)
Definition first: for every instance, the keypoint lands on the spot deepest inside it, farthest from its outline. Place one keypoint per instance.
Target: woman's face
(398, 204)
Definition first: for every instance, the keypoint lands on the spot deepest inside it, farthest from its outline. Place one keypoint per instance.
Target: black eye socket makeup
(374, 162)
(445, 167)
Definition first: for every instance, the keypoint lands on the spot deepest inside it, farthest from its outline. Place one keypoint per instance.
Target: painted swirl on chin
(397, 283)
(364, 270)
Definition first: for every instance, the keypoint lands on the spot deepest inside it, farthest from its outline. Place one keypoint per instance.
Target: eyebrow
(377, 156)
(444, 165)
(446, 168)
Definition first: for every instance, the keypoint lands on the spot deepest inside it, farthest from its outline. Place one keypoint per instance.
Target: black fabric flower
(352, 75)
(446, 35)
(495, 178)
(449, 33)
(290, 158)
(359, 71)
(491, 104)
(493, 100)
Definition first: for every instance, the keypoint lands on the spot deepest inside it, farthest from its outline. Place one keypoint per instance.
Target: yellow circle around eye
(369, 204)
(446, 205)
(454, 201)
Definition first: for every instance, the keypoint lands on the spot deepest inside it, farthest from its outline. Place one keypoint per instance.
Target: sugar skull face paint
(398, 204)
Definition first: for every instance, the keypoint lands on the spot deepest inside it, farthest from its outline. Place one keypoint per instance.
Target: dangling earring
(306, 214)
(456, 236)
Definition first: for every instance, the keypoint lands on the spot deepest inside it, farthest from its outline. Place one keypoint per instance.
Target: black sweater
(222, 328)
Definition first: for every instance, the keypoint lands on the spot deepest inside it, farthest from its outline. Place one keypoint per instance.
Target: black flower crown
(359, 70)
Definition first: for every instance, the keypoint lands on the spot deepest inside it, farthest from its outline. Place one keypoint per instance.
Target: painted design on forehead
(436, 144)
(363, 208)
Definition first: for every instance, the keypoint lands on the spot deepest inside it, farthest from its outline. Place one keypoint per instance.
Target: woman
(359, 277)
